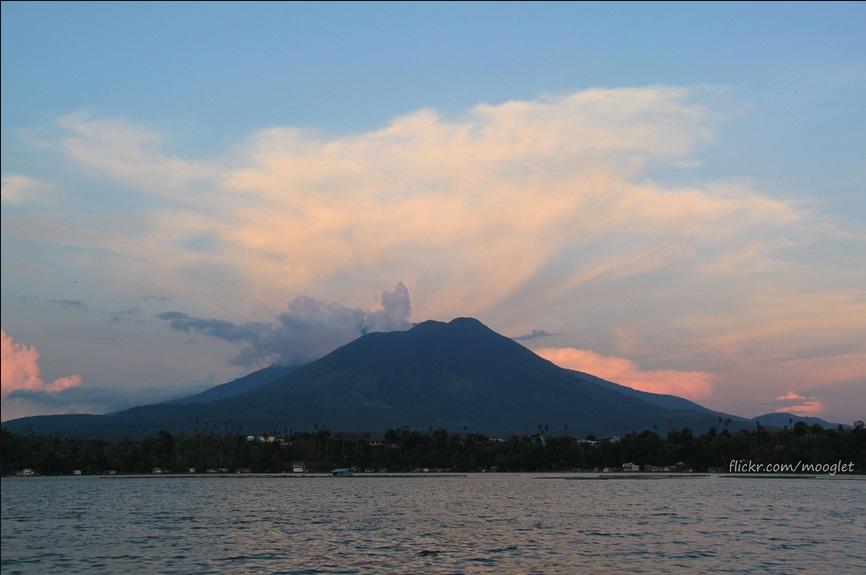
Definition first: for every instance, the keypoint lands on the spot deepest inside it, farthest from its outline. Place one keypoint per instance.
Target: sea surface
(478, 523)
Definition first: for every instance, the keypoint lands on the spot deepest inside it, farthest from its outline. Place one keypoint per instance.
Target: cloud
(308, 330)
(20, 370)
(582, 207)
(440, 201)
(222, 329)
(19, 189)
(103, 398)
(124, 315)
(689, 384)
(807, 408)
(790, 396)
(130, 154)
(534, 334)
(802, 405)
(843, 402)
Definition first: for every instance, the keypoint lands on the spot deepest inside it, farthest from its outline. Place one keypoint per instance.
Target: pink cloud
(811, 408)
(804, 406)
(690, 384)
(19, 369)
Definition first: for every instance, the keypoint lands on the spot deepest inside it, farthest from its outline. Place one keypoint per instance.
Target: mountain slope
(239, 385)
(664, 400)
(457, 375)
(659, 399)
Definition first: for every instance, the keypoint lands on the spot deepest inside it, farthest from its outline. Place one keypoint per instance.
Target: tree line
(405, 450)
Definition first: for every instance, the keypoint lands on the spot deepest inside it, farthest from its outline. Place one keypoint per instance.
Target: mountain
(458, 375)
(659, 399)
(786, 419)
(240, 385)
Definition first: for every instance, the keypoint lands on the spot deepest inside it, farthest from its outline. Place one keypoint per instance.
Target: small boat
(342, 472)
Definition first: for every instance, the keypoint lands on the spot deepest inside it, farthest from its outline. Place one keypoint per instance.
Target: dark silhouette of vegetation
(436, 450)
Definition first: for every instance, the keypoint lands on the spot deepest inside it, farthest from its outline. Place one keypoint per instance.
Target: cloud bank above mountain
(573, 211)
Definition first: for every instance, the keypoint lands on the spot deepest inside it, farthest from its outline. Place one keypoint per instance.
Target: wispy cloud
(308, 330)
(20, 189)
(130, 154)
(124, 315)
(102, 399)
(534, 334)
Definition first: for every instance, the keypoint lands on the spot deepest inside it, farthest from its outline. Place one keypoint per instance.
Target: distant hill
(787, 419)
(459, 376)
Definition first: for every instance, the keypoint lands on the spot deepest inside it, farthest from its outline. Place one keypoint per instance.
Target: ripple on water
(483, 523)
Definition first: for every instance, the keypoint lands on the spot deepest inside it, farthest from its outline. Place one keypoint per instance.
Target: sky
(669, 196)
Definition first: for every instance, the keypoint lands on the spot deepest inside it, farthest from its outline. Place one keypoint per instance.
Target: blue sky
(794, 72)
(763, 104)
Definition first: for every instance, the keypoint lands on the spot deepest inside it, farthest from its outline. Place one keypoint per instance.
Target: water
(478, 523)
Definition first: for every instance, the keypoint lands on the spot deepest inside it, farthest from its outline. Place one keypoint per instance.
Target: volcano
(458, 376)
